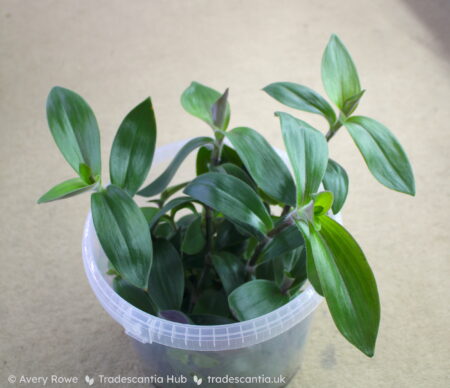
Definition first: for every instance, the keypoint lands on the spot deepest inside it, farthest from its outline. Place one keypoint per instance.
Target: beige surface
(115, 53)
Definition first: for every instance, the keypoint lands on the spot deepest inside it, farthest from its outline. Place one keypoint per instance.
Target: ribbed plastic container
(262, 352)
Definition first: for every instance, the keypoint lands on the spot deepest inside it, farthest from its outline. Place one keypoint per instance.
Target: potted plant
(217, 281)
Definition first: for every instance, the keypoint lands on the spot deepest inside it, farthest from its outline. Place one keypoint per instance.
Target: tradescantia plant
(246, 233)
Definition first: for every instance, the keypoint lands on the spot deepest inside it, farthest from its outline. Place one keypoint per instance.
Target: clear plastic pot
(262, 352)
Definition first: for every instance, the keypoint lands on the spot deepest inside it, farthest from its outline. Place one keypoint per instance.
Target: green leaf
(322, 202)
(86, 174)
(231, 270)
(198, 100)
(302, 98)
(383, 153)
(133, 295)
(166, 281)
(74, 128)
(232, 197)
(167, 193)
(213, 302)
(168, 207)
(228, 236)
(160, 183)
(193, 241)
(285, 241)
(232, 169)
(133, 148)
(256, 298)
(348, 284)
(311, 270)
(336, 181)
(123, 234)
(220, 112)
(263, 163)
(203, 160)
(66, 189)
(149, 212)
(308, 153)
(351, 103)
(164, 230)
(339, 75)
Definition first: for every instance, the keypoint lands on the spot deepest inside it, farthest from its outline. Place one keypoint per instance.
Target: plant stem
(288, 221)
(333, 129)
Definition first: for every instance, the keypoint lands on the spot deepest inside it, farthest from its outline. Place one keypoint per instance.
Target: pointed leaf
(231, 270)
(308, 153)
(133, 148)
(199, 99)
(348, 284)
(160, 183)
(336, 181)
(351, 103)
(263, 163)
(168, 207)
(339, 75)
(256, 298)
(285, 241)
(66, 189)
(123, 234)
(166, 281)
(383, 153)
(193, 241)
(234, 198)
(311, 270)
(74, 128)
(220, 112)
(322, 202)
(133, 295)
(302, 98)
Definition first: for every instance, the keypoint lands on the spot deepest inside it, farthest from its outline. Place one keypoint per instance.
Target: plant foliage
(242, 237)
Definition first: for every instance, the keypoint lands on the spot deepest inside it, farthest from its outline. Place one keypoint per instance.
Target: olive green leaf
(133, 148)
(123, 234)
(301, 97)
(308, 153)
(198, 100)
(336, 181)
(348, 284)
(160, 183)
(383, 153)
(264, 164)
(285, 241)
(232, 197)
(133, 295)
(166, 281)
(174, 203)
(231, 270)
(256, 298)
(74, 128)
(339, 75)
(66, 189)
(194, 240)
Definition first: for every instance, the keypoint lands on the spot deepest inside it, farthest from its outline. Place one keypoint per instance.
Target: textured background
(115, 53)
